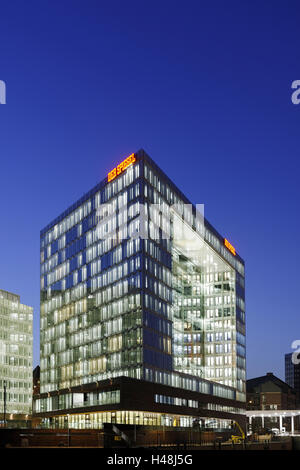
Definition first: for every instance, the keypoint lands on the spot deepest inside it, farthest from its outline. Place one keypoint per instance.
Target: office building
(15, 360)
(142, 309)
(292, 373)
(36, 381)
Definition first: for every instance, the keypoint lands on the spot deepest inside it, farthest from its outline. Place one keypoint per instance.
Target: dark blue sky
(204, 88)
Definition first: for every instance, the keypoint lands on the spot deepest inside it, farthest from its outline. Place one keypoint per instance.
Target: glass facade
(15, 355)
(123, 295)
(77, 400)
(96, 420)
(292, 374)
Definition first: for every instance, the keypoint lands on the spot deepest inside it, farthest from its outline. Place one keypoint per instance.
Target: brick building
(270, 393)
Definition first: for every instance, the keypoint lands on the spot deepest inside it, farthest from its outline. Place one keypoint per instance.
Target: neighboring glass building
(15, 359)
(137, 287)
(292, 374)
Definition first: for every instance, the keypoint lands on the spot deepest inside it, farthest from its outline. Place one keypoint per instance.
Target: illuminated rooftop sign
(229, 247)
(121, 167)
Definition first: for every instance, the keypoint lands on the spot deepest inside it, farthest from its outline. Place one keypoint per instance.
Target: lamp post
(136, 418)
(68, 431)
(4, 402)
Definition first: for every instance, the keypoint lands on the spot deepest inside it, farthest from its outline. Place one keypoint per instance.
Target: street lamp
(136, 417)
(4, 402)
(68, 416)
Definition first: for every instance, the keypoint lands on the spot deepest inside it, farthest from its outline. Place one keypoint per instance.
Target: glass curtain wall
(203, 308)
(15, 354)
(91, 315)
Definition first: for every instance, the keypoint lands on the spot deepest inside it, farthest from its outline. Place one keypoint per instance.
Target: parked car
(275, 431)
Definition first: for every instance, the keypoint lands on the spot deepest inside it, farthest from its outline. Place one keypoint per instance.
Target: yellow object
(238, 439)
(229, 246)
(121, 167)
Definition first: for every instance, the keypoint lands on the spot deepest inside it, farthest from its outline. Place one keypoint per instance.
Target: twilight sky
(204, 88)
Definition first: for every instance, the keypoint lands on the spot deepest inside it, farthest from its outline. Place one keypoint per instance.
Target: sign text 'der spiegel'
(229, 246)
(121, 167)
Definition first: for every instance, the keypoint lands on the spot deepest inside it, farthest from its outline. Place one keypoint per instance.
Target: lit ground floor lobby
(282, 421)
(139, 418)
